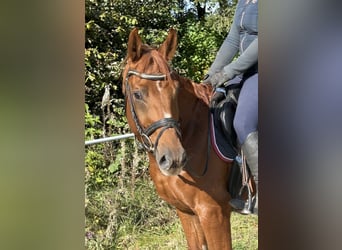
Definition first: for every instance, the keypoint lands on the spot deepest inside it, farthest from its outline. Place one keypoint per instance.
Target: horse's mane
(200, 90)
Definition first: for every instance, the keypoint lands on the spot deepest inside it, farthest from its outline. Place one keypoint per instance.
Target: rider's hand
(218, 79)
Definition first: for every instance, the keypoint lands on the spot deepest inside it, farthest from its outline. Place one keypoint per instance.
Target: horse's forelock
(155, 63)
(150, 62)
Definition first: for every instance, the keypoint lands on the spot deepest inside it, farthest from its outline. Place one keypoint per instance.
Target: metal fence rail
(107, 139)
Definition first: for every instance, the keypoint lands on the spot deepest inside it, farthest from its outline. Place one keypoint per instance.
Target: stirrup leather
(241, 205)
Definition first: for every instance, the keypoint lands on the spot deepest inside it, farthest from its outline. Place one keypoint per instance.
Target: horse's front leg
(215, 221)
(192, 230)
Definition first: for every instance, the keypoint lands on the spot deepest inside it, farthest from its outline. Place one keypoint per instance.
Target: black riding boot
(250, 149)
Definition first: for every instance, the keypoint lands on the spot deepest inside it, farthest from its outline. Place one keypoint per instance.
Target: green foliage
(194, 57)
(92, 123)
(199, 41)
(115, 214)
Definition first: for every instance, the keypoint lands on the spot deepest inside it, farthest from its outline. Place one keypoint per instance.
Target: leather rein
(164, 123)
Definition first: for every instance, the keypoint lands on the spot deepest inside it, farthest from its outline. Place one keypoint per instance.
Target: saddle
(223, 135)
(224, 142)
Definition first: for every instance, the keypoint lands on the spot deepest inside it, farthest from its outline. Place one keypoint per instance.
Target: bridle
(164, 123)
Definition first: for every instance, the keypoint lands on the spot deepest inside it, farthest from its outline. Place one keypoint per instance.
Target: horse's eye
(137, 95)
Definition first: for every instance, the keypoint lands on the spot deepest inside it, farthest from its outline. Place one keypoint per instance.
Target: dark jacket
(243, 39)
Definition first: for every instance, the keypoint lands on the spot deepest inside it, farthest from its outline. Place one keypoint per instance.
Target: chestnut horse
(169, 116)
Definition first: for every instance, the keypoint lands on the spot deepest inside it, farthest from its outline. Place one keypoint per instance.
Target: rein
(164, 123)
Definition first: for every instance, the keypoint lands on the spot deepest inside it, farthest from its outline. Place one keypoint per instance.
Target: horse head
(150, 88)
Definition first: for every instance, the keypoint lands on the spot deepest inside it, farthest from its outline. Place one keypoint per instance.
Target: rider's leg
(246, 115)
(246, 126)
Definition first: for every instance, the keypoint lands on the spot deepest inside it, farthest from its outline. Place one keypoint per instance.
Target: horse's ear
(169, 46)
(134, 45)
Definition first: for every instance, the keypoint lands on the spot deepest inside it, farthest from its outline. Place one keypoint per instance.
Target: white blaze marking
(158, 83)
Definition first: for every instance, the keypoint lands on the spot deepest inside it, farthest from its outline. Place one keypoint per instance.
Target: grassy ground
(244, 231)
(244, 234)
(139, 219)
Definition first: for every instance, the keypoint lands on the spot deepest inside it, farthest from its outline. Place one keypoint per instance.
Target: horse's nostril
(162, 159)
(171, 161)
(164, 162)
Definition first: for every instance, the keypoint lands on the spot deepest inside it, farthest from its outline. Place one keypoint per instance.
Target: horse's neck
(193, 109)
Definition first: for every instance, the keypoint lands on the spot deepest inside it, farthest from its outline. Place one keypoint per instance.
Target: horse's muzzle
(171, 162)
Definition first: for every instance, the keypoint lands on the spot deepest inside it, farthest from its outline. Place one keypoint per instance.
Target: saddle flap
(224, 138)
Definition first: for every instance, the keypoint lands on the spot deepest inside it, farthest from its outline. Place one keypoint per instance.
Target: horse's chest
(173, 190)
(174, 199)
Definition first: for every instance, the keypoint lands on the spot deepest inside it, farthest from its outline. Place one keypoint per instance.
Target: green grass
(244, 235)
(244, 231)
(169, 236)
(139, 219)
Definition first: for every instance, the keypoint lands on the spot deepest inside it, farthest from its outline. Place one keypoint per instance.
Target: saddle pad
(219, 142)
